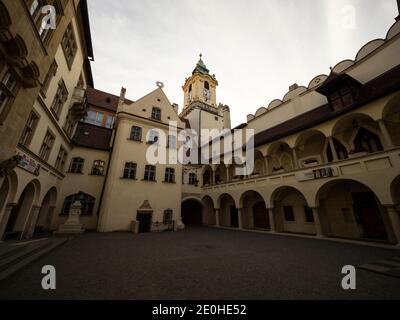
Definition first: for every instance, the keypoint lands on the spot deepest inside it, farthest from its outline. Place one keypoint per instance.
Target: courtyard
(203, 263)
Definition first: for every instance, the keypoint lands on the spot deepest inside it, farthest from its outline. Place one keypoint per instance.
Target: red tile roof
(102, 99)
(91, 136)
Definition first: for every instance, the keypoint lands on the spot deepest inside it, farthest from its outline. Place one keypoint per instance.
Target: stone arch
(209, 217)
(351, 209)
(346, 129)
(292, 212)
(395, 190)
(228, 210)
(311, 146)
(255, 214)
(5, 19)
(47, 208)
(391, 119)
(280, 157)
(192, 211)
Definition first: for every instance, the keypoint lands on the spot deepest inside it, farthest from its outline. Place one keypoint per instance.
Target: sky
(256, 48)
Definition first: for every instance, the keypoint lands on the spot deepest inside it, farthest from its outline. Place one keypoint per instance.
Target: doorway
(145, 221)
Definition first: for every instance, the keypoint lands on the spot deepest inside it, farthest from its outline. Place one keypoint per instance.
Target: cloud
(256, 48)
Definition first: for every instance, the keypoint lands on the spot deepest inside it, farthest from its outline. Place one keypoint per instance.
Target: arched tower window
(207, 85)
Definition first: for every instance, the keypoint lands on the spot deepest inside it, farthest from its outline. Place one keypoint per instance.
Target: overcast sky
(256, 48)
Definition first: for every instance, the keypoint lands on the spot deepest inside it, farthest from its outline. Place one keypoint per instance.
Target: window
(76, 165)
(136, 134)
(130, 170)
(170, 175)
(341, 98)
(61, 158)
(309, 214)
(86, 201)
(289, 214)
(171, 142)
(98, 168)
(50, 74)
(153, 136)
(156, 114)
(193, 179)
(167, 219)
(95, 118)
(70, 123)
(150, 173)
(109, 122)
(69, 45)
(59, 99)
(47, 145)
(29, 129)
(206, 85)
(8, 88)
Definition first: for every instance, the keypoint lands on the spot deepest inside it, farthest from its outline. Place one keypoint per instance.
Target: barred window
(29, 129)
(136, 134)
(98, 168)
(76, 165)
(47, 145)
(130, 170)
(170, 175)
(150, 173)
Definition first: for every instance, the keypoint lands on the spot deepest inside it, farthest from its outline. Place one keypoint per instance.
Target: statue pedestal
(72, 225)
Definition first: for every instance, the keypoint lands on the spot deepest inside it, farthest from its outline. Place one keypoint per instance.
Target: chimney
(295, 86)
(226, 111)
(175, 106)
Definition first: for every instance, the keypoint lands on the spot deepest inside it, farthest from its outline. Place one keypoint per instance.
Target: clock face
(207, 94)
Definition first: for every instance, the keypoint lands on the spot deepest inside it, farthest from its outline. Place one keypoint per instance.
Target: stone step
(22, 253)
(29, 255)
(7, 250)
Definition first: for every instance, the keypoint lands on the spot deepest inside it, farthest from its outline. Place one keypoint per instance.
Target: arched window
(206, 85)
(86, 201)
(156, 114)
(206, 178)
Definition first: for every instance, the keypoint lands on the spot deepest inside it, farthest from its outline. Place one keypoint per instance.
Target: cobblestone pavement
(203, 263)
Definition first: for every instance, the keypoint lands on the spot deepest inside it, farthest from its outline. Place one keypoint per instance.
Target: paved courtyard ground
(203, 263)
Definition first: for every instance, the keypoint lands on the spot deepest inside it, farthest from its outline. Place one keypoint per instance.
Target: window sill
(167, 182)
(128, 179)
(80, 173)
(96, 175)
(144, 180)
(133, 140)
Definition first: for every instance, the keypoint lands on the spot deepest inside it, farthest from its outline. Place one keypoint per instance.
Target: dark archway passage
(192, 213)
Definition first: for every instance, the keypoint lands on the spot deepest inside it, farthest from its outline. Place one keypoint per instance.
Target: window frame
(150, 173)
(156, 114)
(47, 145)
(98, 165)
(76, 167)
(61, 159)
(136, 134)
(130, 171)
(169, 176)
(29, 129)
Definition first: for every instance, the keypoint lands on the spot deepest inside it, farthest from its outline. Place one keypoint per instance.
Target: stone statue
(72, 225)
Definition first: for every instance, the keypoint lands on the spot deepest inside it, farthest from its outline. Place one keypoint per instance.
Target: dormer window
(156, 114)
(341, 98)
(341, 90)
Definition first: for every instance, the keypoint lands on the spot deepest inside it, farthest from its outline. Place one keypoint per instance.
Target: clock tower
(200, 105)
(201, 86)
